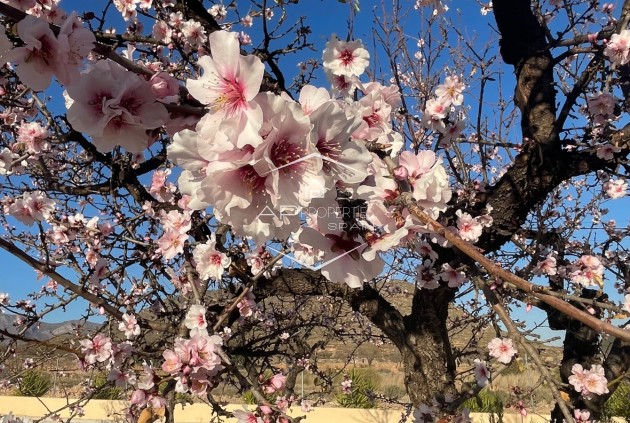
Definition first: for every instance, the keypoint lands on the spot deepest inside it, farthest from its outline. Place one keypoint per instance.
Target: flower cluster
(194, 362)
(589, 382)
(45, 54)
(587, 271)
(265, 163)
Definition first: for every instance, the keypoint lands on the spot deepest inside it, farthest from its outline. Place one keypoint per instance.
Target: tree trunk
(428, 360)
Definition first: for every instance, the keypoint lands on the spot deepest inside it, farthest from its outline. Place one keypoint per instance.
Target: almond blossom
(601, 107)
(427, 277)
(582, 416)
(589, 382)
(229, 83)
(482, 374)
(616, 188)
(502, 350)
(42, 55)
(546, 266)
(469, 228)
(275, 383)
(343, 58)
(454, 278)
(607, 151)
(97, 349)
(246, 416)
(587, 271)
(171, 244)
(196, 319)
(451, 91)
(115, 107)
(34, 137)
(210, 263)
(428, 179)
(32, 207)
(618, 47)
(129, 326)
(342, 252)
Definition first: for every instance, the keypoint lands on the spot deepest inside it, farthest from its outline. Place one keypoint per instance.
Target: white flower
(469, 228)
(502, 349)
(616, 188)
(209, 262)
(345, 58)
(196, 319)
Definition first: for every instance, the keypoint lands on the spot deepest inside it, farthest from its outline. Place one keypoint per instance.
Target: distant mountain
(45, 331)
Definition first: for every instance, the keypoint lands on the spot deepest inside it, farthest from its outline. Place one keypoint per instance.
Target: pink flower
(139, 398)
(502, 349)
(345, 58)
(196, 318)
(601, 107)
(346, 385)
(115, 107)
(247, 305)
(229, 83)
(434, 113)
(482, 374)
(469, 228)
(172, 362)
(426, 277)
(618, 47)
(33, 206)
(162, 32)
(246, 416)
(275, 383)
(342, 252)
(607, 151)
(164, 86)
(616, 188)
(582, 416)
(428, 179)
(626, 302)
(42, 55)
(587, 271)
(33, 136)
(589, 382)
(210, 263)
(453, 277)
(129, 325)
(171, 244)
(98, 349)
(194, 32)
(546, 266)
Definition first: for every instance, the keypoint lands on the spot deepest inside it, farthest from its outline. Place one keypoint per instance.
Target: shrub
(618, 405)
(486, 402)
(105, 391)
(34, 383)
(394, 392)
(364, 383)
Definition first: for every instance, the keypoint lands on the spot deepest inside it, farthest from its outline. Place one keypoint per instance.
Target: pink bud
(592, 38)
(139, 398)
(266, 409)
(528, 307)
(164, 85)
(401, 173)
